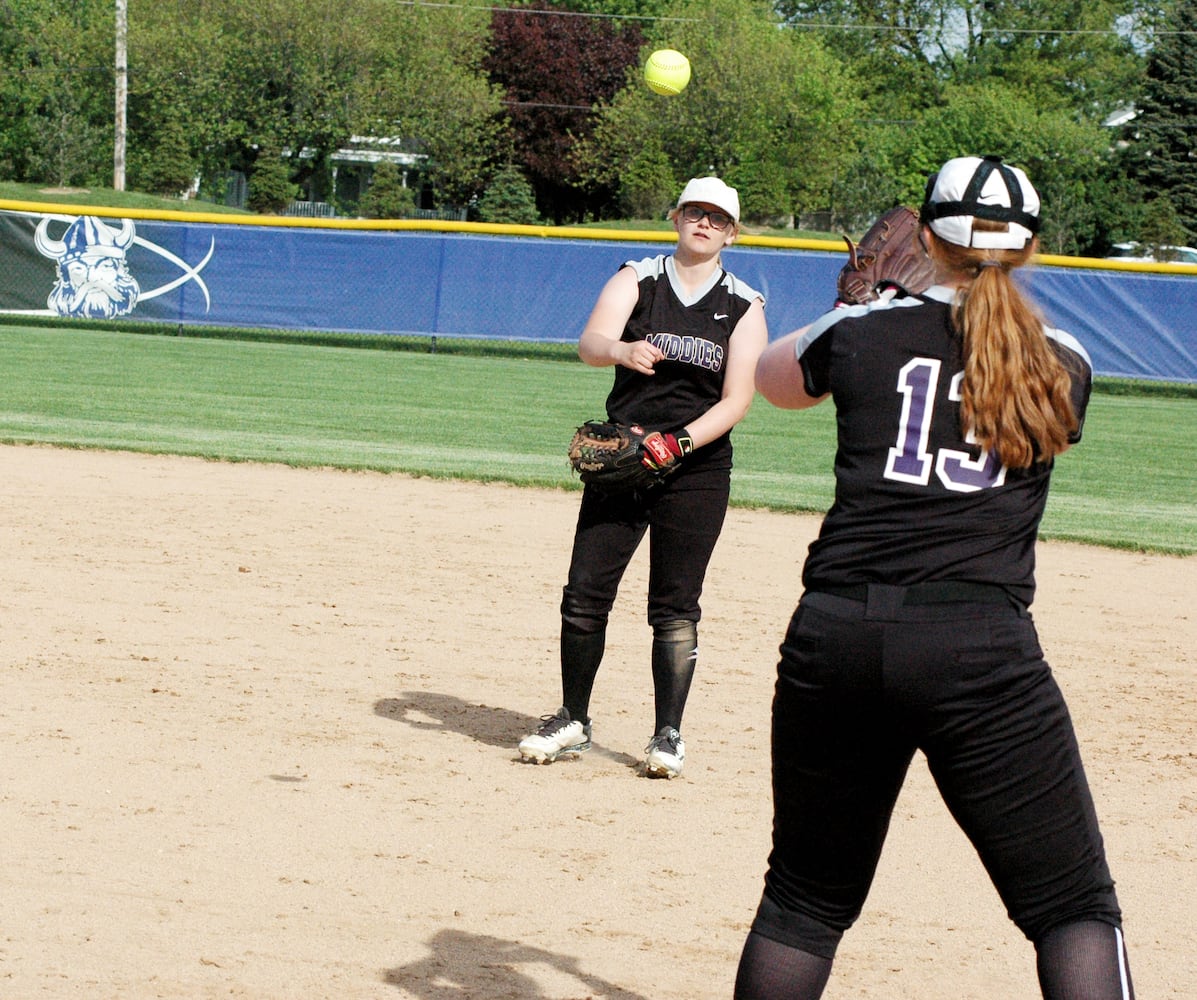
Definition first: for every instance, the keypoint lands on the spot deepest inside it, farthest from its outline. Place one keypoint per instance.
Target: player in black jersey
(684, 336)
(912, 633)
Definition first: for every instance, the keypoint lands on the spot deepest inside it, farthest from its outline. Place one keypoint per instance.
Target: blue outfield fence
(498, 282)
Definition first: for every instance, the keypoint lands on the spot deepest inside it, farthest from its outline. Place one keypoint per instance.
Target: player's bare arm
(779, 376)
(600, 344)
(747, 341)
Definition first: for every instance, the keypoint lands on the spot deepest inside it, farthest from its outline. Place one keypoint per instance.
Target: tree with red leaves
(555, 67)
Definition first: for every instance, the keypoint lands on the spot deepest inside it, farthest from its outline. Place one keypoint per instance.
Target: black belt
(933, 592)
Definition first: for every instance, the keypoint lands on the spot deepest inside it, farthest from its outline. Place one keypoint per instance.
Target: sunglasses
(694, 213)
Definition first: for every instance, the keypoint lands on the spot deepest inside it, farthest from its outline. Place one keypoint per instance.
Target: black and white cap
(981, 187)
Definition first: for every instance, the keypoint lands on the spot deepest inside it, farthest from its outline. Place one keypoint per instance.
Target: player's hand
(641, 356)
(662, 452)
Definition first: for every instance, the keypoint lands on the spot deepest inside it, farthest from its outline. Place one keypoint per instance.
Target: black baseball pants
(865, 683)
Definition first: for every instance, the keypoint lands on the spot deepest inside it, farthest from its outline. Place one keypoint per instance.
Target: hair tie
(988, 263)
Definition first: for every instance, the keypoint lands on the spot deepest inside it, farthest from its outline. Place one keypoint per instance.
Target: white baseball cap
(711, 191)
(981, 187)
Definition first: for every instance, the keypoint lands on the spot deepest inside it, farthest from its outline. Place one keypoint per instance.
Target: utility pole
(122, 94)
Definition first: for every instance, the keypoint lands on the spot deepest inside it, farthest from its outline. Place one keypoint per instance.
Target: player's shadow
(496, 727)
(464, 966)
(434, 712)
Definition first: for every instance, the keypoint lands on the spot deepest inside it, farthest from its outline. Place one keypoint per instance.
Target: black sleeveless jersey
(915, 500)
(693, 332)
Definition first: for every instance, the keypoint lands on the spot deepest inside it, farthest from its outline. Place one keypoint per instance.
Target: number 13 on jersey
(910, 461)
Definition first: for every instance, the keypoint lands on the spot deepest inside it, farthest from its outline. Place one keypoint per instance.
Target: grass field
(1131, 484)
(106, 197)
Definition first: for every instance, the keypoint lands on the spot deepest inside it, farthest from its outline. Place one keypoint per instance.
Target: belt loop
(884, 601)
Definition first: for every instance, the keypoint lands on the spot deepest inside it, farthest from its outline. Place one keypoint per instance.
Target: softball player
(684, 336)
(913, 633)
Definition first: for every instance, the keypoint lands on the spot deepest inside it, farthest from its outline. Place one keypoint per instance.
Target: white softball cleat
(666, 754)
(557, 736)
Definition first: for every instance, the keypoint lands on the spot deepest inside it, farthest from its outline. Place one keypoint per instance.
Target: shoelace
(668, 743)
(551, 725)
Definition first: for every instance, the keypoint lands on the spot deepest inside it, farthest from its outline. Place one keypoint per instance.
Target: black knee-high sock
(581, 654)
(1085, 960)
(675, 652)
(770, 970)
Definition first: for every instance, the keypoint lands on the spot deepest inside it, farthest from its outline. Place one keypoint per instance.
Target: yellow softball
(667, 72)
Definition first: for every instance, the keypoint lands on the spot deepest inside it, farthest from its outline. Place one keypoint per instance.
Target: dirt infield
(259, 729)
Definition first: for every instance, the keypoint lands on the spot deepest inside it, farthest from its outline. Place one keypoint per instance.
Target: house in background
(341, 187)
(336, 188)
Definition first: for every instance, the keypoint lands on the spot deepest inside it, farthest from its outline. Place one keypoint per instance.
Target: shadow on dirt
(496, 727)
(465, 966)
(433, 712)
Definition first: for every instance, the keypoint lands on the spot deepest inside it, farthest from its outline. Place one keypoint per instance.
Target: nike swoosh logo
(720, 315)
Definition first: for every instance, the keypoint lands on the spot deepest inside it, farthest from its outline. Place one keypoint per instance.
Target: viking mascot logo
(93, 276)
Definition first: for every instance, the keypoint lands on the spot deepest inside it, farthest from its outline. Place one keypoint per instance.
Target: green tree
(270, 186)
(1063, 157)
(427, 82)
(1075, 54)
(160, 161)
(768, 110)
(56, 90)
(554, 70)
(387, 197)
(647, 188)
(296, 69)
(68, 143)
(177, 55)
(1162, 228)
(1116, 201)
(892, 47)
(644, 9)
(799, 115)
(1080, 54)
(509, 198)
(887, 170)
(307, 75)
(1163, 151)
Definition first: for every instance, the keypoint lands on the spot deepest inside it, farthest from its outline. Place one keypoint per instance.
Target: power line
(545, 13)
(993, 29)
(797, 25)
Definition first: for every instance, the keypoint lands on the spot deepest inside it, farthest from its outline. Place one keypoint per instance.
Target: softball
(667, 72)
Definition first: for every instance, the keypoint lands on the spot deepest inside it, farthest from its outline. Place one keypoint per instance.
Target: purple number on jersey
(910, 461)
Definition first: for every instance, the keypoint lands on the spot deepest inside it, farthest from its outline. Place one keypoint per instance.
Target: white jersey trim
(1068, 340)
(663, 264)
(940, 293)
(829, 319)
